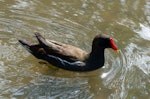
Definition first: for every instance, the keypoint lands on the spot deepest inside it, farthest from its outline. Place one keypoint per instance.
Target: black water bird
(69, 57)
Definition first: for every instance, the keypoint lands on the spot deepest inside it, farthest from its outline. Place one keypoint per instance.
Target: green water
(124, 76)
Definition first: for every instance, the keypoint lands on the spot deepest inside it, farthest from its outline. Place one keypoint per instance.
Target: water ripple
(128, 71)
(52, 87)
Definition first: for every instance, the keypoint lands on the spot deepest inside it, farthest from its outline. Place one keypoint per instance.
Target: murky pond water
(124, 76)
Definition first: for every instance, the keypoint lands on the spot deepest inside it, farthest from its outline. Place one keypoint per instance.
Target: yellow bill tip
(117, 51)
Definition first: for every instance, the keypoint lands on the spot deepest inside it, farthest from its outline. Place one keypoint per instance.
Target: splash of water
(144, 32)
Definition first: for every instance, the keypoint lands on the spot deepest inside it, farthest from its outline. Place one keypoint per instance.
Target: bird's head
(104, 41)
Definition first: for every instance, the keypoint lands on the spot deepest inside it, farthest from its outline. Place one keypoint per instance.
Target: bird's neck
(96, 58)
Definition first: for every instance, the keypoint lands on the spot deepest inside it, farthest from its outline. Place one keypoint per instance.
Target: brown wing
(64, 51)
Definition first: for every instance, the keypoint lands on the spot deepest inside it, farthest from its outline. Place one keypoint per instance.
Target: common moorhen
(69, 57)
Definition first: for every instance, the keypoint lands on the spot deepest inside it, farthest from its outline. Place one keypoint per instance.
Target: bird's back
(65, 51)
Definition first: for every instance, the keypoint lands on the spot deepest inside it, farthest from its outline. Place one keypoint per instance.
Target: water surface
(124, 76)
